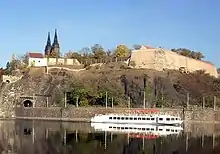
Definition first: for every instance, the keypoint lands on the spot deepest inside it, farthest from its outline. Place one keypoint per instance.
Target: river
(45, 137)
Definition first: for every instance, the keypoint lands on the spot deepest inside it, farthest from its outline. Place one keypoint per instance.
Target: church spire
(48, 45)
(55, 42)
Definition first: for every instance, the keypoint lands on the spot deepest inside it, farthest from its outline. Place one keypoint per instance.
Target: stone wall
(84, 114)
(160, 59)
(62, 61)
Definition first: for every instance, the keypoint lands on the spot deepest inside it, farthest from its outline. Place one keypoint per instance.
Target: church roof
(35, 55)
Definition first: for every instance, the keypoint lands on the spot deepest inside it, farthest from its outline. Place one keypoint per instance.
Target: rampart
(160, 59)
(61, 61)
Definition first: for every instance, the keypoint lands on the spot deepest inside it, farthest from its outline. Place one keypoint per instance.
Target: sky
(192, 24)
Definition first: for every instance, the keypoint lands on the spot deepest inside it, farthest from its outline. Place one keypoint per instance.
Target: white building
(36, 60)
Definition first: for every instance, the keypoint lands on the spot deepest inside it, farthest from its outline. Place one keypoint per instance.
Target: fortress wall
(160, 59)
(62, 61)
(143, 58)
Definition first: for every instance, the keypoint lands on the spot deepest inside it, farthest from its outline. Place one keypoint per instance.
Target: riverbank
(86, 113)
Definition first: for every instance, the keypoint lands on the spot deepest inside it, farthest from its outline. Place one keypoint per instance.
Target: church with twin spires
(55, 47)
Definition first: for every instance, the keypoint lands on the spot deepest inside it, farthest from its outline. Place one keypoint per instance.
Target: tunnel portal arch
(28, 103)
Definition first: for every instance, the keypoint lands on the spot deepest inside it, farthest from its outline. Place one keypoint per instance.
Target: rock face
(14, 94)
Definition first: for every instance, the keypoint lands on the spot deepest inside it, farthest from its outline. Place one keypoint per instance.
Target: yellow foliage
(122, 51)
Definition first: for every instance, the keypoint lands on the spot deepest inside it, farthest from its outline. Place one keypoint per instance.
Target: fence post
(187, 101)
(112, 102)
(106, 99)
(64, 99)
(203, 102)
(129, 102)
(214, 103)
(77, 101)
(144, 101)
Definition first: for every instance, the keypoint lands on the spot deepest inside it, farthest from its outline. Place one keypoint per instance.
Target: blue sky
(192, 24)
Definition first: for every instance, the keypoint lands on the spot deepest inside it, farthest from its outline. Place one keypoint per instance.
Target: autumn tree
(72, 55)
(122, 51)
(85, 52)
(54, 54)
(98, 51)
(189, 53)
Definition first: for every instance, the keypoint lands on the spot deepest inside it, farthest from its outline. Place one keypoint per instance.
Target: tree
(218, 70)
(137, 46)
(98, 51)
(54, 54)
(85, 52)
(189, 53)
(122, 51)
(72, 55)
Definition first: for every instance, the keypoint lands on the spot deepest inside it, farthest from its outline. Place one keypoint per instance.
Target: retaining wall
(84, 114)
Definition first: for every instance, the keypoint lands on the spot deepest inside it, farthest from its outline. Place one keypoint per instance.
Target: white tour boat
(152, 118)
(159, 130)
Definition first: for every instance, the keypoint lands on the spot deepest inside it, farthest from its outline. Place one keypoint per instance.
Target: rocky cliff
(167, 88)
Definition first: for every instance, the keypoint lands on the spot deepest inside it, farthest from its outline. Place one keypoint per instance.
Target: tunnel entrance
(28, 103)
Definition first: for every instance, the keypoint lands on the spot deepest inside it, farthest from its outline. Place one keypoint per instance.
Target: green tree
(98, 51)
(122, 51)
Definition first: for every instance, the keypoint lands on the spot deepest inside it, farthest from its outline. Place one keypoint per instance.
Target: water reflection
(80, 138)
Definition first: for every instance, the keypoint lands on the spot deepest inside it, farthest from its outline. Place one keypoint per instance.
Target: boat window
(135, 128)
(131, 118)
(143, 128)
(148, 129)
(152, 118)
(110, 126)
(139, 118)
(175, 130)
(122, 128)
(172, 118)
(172, 130)
(143, 118)
(148, 118)
(110, 117)
(152, 129)
(168, 119)
(126, 127)
(135, 118)
(114, 127)
(126, 118)
(114, 118)
(160, 118)
(160, 129)
(167, 130)
(122, 118)
(118, 127)
(139, 128)
(176, 118)
(118, 118)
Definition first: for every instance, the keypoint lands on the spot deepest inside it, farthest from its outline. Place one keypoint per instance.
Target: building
(55, 47)
(36, 60)
(1, 74)
(160, 59)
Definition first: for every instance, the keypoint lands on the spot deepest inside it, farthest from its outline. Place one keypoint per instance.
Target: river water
(45, 137)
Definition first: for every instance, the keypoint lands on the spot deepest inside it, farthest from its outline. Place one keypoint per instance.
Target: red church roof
(35, 55)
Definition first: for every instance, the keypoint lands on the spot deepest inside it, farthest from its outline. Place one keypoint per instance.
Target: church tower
(55, 45)
(48, 47)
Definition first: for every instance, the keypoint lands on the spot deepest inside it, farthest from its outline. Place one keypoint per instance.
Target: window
(172, 130)
(126, 118)
(110, 117)
(139, 118)
(122, 118)
(148, 129)
(160, 118)
(135, 118)
(148, 118)
(114, 118)
(152, 129)
(118, 118)
(143, 128)
(176, 118)
(126, 127)
(172, 118)
(160, 129)
(131, 118)
(152, 118)
(168, 119)
(110, 126)
(167, 130)
(143, 118)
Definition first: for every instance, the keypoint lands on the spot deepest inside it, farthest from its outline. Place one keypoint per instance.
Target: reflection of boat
(135, 128)
(137, 118)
